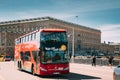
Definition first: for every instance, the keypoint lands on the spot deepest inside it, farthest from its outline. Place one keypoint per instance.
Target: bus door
(22, 55)
(36, 61)
(27, 62)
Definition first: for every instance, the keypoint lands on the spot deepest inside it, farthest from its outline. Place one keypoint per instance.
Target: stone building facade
(107, 49)
(86, 39)
(116, 48)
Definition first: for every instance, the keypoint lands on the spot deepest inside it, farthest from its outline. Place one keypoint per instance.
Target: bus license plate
(56, 73)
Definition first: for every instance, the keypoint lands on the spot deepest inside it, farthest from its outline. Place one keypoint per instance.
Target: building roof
(43, 19)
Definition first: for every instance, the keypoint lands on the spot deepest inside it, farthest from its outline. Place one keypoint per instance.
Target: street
(77, 72)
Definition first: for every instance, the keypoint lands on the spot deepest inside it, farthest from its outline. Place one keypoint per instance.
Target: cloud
(79, 6)
(41, 14)
(35, 14)
(110, 32)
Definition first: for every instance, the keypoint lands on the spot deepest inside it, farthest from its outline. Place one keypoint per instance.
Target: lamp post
(73, 47)
(72, 57)
(73, 42)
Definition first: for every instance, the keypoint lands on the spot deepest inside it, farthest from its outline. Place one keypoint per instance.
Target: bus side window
(27, 56)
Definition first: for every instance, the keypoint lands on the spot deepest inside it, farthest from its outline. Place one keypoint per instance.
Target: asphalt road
(77, 72)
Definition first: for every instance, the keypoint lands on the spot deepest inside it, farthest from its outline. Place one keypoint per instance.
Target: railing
(99, 61)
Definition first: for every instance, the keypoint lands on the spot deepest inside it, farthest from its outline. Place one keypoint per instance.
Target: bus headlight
(67, 68)
(43, 69)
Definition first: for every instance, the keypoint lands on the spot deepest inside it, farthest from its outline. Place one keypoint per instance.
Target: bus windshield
(53, 36)
(54, 47)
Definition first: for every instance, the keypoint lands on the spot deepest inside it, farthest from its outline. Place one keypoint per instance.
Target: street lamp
(73, 47)
(72, 57)
(73, 43)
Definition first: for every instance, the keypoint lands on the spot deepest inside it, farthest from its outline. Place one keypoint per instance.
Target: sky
(98, 14)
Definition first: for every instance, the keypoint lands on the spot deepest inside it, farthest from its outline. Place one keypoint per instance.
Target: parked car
(116, 73)
(1, 57)
(7, 58)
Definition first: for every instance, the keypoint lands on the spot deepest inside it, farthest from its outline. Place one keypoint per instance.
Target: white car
(116, 73)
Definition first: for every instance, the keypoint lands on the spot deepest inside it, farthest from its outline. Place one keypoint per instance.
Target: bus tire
(32, 70)
(18, 64)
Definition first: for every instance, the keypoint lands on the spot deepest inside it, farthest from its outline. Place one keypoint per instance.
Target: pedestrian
(93, 61)
(110, 60)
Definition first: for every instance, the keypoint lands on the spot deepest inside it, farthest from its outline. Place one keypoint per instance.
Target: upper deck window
(34, 36)
(54, 36)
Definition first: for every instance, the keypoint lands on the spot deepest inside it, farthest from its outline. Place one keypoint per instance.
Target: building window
(78, 35)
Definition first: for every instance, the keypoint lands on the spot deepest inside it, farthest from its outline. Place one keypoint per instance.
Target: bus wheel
(18, 65)
(32, 69)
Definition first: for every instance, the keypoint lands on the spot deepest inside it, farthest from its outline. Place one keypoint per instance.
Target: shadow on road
(70, 76)
(73, 76)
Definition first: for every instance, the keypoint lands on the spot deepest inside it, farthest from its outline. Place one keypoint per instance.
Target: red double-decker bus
(43, 52)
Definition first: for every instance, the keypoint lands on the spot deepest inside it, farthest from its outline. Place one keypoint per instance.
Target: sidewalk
(102, 72)
(97, 66)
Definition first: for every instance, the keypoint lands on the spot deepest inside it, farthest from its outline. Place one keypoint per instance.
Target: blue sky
(98, 14)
